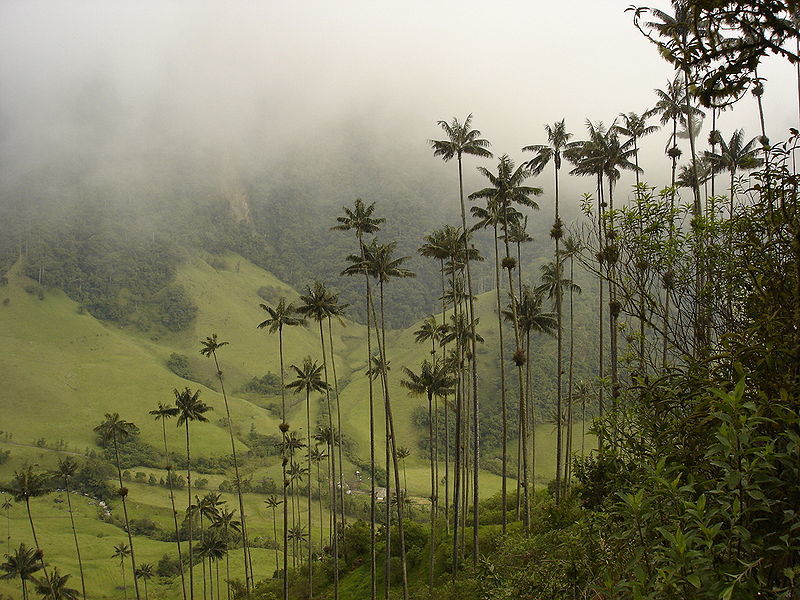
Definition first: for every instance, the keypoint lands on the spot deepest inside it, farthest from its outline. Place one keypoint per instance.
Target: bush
(179, 364)
(266, 385)
(168, 566)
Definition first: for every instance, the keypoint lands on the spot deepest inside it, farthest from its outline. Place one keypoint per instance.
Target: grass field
(63, 370)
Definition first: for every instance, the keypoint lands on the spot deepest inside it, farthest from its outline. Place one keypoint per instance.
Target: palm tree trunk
(172, 502)
(127, 522)
(285, 515)
(75, 537)
(528, 481)
(571, 362)
(474, 365)
(433, 493)
(308, 446)
(189, 513)
(392, 438)
(458, 450)
(248, 566)
(504, 467)
(339, 426)
(559, 335)
(124, 583)
(39, 552)
(601, 349)
(335, 529)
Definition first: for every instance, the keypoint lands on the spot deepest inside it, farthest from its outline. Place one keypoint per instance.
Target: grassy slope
(64, 370)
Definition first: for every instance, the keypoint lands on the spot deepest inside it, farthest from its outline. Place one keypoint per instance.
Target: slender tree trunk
(308, 446)
(39, 552)
(504, 472)
(75, 537)
(339, 447)
(285, 514)
(571, 361)
(335, 529)
(124, 583)
(172, 502)
(431, 450)
(559, 353)
(248, 567)
(189, 513)
(474, 365)
(458, 450)
(127, 522)
(528, 482)
(601, 349)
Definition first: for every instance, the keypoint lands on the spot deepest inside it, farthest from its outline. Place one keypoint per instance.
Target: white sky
(252, 79)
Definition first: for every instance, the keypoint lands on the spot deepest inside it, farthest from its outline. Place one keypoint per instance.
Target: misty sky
(243, 84)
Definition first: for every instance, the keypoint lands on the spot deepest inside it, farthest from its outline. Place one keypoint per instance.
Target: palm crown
(280, 316)
(460, 140)
(190, 407)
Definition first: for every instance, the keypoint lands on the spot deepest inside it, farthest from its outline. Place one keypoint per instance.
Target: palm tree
(531, 320)
(145, 573)
(361, 220)
(429, 330)
(117, 430)
(284, 429)
(320, 304)
(734, 155)
(122, 551)
(55, 587)
(212, 548)
(23, 564)
(273, 503)
(506, 189)
(67, 467)
(379, 262)
(226, 524)
(206, 508)
(190, 408)
(553, 284)
(209, 349)
(309, 380)
(162, 413)
(462, 140)
(318, 455)
(572, 247)
(434, 379)
(25, 485)
(283, 315)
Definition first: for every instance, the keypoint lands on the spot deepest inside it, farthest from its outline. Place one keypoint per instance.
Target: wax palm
(25, 485)
(190, 408)
(572, 248)
(273, 503)
(361, 220)
(309, 379)
(145, 573)
(212, 548)
(209, 348)
(116, 430)
(318, 455)
(67, 467)
(461, 140)
(284, 314)
(23, 563)
(122, 551)
(227, 524)
(428, 331)
(434, 379)
(734, 155)
(162, 413)
(518, 234)
(507, 189)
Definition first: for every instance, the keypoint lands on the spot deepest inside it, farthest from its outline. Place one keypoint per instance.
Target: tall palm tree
(227, 525)
(282, 315)
(557, 138)
(553, 284)
(734, 155)
(461, 140)
(505, 190)
(308, 379)
(23, 564)
(145, 573)
(212, 548)
(190, 408)
(67, 467)
(25, 485)
(161, 413)
(531, 320)
(361, 220)
(320, 304)
(207, 509)
(635, 127)
(122, 551)
(572, 247)
(434, 379)
(273, 503)
(116, 430)
(380, 263)
(209, 348)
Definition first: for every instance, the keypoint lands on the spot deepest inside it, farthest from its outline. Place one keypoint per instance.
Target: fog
(140, 97)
